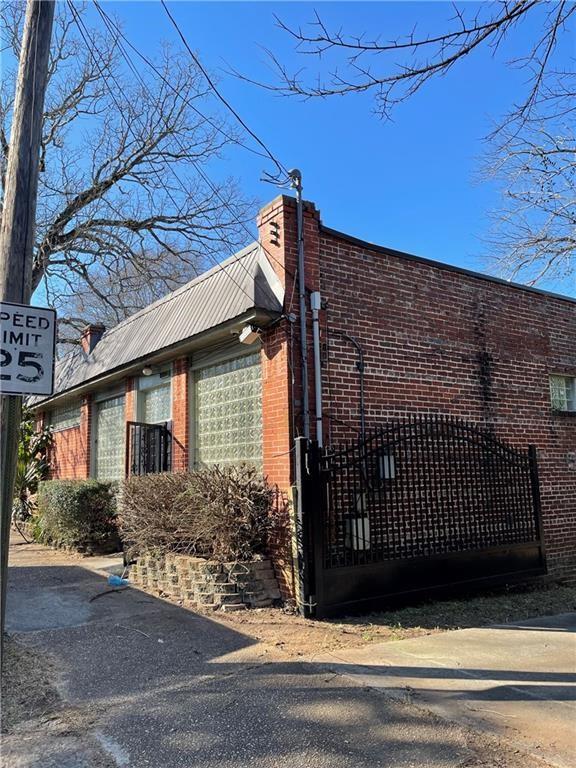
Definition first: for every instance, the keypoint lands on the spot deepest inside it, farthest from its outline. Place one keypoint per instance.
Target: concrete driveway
(155, 685)
(517, 681)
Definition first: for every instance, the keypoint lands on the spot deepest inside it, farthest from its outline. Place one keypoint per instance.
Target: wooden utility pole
(17, 231)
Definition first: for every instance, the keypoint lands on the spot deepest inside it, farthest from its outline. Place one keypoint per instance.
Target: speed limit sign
(27, 347)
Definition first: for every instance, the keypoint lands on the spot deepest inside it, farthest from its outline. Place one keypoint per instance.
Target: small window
(563, 393)
(65, 417)
(156, 404)
(155, 397)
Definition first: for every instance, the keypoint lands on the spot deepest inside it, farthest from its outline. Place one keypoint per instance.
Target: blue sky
(410, 184)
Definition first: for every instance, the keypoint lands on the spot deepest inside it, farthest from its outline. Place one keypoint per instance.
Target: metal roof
(244, 282)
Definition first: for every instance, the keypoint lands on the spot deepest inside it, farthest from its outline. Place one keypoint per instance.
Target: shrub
(79, 514)
(222, 513)
(32, 465)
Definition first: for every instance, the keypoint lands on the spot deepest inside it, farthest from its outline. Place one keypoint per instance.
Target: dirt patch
(28, 689)
(305, 637)
(38, 728)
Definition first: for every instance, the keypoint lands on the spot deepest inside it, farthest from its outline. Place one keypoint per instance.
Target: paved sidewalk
(154, 685)
(516, 681)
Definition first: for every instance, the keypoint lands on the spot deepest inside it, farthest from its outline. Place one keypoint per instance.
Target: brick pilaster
(281, 378)
(180, 414)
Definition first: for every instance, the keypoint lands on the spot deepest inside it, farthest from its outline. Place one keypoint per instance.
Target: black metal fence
(424, 489)
(148, 448)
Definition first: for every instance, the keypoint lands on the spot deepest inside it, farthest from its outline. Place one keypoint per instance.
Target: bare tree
(396, 69)
(534, 233)
(125, 212)
(531, 150)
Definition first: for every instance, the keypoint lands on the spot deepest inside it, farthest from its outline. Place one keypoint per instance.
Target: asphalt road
(161, 686)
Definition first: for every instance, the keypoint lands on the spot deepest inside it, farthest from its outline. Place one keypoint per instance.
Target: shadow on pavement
(170, 687)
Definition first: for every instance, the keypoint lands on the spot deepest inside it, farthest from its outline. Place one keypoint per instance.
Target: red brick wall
(436, 340)
(69, 454)
(180, 414)
(281, 345)
(281, 386)
(131, 393)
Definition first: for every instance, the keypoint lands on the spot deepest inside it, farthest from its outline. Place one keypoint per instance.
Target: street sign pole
(17, 233)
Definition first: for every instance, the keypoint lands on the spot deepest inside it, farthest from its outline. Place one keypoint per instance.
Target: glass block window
(110, 439)
(155, 404)
(563, 393)
(66, 417)
(228, 400)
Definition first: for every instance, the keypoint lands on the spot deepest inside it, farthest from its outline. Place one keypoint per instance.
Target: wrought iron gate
(423, 504)
(148, 448)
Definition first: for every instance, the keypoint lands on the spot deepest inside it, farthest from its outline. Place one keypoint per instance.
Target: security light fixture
(248, 335)
(147, 370)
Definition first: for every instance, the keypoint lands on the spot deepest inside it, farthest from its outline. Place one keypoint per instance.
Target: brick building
(434, 339)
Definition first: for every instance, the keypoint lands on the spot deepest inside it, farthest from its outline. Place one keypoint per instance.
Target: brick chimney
(91, 335)
(277, 233)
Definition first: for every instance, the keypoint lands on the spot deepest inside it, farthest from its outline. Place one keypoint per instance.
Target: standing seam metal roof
(243, 282)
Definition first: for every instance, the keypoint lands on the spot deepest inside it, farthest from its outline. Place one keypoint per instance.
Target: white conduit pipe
(315, 303)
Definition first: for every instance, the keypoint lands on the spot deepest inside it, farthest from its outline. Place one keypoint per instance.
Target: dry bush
(222, 513)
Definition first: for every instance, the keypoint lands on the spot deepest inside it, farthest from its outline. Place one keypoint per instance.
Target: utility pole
(17, 232)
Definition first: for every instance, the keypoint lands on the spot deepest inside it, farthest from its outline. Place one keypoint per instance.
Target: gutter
(261, 317)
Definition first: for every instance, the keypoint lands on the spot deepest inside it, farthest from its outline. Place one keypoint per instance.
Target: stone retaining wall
(204, 583)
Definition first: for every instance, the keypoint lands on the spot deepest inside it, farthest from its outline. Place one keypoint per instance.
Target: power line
(90, 46)
(113, 27)
(277, 163)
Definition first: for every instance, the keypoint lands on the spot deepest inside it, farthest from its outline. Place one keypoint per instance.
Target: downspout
(296, 177)
(315, 303)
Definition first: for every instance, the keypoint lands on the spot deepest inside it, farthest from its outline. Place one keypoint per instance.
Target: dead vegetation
(38, 727)
(223, 513)
(304, 637)
(28, 690)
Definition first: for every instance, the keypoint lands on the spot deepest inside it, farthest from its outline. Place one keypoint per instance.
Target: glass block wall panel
(558, 393)
(110, 439)
(66, 417)
(563, 393)
(228, 400)
(156, 406)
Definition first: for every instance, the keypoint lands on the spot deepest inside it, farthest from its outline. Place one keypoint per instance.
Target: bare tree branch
(534, 232)
(123, 213)
(531, 150)
(422, 57)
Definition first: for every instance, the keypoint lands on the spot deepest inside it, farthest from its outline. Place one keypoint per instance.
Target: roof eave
(260, 316)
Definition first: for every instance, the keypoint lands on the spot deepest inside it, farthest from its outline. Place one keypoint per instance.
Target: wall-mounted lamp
(248, 335)
(147, 370)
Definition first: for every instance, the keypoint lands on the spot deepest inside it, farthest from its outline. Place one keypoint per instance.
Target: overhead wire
(281, 168)
(91, 46)
(113, 27)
